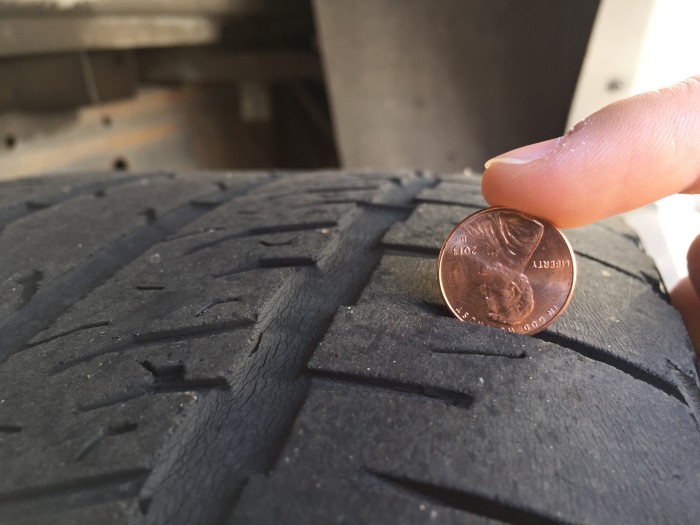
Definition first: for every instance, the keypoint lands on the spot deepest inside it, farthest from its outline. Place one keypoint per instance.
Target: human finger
(624, 156)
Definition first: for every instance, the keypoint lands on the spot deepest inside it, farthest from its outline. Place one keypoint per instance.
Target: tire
(273, 348)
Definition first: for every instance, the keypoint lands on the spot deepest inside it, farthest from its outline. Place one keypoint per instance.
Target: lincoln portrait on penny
(506, 242)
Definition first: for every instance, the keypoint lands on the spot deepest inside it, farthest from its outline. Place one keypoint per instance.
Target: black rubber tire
(272, 348)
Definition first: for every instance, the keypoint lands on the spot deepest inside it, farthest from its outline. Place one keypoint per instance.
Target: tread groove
(159, 386)
(687, 384)
(216, 303)
(612, 266)
(20, 210)
(193, 233)
(30, 285)
(382, 206)
(138, 340)
(117, 399)
(470, 502)
(630, 237)
(271, 244)
(285, 262)
(655, 284)
(171, 378)
(268, 389)
(56, 297)
(341, 189)
(51, 499)
(469, 351)
(269, 262)
(189, 385)
(437, 309)
(258, 340)
(111, 430)
(325, 202)
(596, 354)
(369, 384)
(404, 250)
(68, 332)
(439, 202)
(36, 205)
(185, 332)
(294, 227)
(264, 230)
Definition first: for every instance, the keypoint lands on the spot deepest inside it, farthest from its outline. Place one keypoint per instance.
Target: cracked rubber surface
(272, 348)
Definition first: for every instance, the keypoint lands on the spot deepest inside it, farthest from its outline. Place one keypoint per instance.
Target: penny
(503, 268)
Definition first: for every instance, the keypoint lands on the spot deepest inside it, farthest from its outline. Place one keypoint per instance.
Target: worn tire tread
(272, 347)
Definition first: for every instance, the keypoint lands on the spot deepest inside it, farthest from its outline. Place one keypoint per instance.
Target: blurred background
(102, 85)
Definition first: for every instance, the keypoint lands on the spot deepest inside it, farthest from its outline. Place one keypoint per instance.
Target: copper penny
(503, 268)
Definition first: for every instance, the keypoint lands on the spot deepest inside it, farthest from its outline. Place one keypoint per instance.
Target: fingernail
(525, 154)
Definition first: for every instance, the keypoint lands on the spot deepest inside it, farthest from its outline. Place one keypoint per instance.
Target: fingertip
(503, 183)
(535, 192)
(525, 154)
(624, 156)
